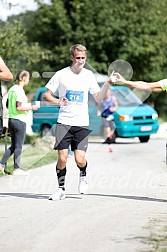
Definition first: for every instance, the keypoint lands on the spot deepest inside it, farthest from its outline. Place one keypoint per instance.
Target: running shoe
(58, 195)
(83, 185)
(110, 148)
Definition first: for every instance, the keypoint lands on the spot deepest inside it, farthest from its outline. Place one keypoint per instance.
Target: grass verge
(35, 155)
(157, 239)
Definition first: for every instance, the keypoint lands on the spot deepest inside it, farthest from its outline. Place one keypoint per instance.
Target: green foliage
(31, 139)
(51, 26)
(49, 158)
(15, 48)
(91, 27)
(143, 43)
(17, 51)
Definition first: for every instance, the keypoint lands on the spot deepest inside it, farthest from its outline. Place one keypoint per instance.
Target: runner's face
(79, 59)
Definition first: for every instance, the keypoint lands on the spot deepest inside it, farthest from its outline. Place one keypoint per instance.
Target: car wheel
(144, 139)
(46, 130)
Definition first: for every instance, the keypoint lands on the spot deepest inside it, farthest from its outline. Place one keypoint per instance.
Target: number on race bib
(74, 96)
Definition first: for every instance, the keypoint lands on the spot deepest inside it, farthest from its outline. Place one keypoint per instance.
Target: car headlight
(154, 116)
(126, 118)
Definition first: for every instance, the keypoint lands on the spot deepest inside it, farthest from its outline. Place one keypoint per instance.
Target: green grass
(161, 120)
(35, 155)
(157, 239)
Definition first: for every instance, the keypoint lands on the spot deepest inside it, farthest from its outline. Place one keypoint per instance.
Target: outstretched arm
(142, 85)
(5, 73)
(101, 94)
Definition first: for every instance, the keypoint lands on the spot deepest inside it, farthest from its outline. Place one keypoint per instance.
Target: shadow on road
(130, 197)
(36, 196)
(78, 196)
(96, 142)
(25, 195)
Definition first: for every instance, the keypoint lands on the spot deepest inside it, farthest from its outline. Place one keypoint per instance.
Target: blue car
(133, 118)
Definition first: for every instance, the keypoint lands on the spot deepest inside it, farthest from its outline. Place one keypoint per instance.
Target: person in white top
(73, 83)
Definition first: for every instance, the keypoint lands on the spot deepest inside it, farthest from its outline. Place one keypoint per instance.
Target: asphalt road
(127, 191)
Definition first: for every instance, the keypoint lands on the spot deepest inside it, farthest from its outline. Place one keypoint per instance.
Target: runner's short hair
(78, 47)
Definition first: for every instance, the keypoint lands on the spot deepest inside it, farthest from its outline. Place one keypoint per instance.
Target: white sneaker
(83, 185)
(58, 195)
(20, 172)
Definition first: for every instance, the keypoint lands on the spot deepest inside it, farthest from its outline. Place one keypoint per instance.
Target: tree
(17, 52)
(129, 29)
(111, 30)
(50, 26)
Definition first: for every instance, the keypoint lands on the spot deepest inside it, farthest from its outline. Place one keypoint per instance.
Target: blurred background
(37, 36)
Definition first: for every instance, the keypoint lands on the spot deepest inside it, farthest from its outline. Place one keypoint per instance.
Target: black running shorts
(75, 135)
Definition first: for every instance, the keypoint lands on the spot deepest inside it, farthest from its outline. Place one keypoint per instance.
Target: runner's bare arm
(142, 85)
(5, 73)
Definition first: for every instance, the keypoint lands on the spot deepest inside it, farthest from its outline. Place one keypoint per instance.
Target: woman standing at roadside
(17, 109)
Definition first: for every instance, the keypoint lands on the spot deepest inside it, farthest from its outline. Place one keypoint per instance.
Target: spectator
(17, 110)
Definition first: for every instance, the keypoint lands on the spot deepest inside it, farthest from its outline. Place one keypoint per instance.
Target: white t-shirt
(75, 87)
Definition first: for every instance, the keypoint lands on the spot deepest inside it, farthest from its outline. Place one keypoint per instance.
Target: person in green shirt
(18, 107)
(157, 86)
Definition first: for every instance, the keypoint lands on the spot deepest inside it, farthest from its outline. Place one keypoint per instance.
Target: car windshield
(126, 97)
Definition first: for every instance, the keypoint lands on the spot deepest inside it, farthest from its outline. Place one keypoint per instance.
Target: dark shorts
(74, 135)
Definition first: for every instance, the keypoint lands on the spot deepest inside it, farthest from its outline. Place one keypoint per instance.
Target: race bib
(75, 96)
